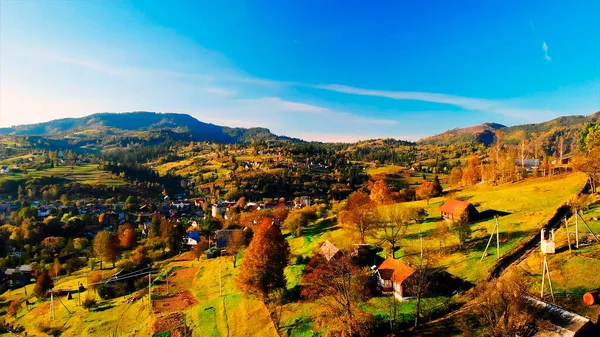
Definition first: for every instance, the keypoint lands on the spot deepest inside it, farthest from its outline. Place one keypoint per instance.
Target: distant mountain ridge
(118, 129)
(177, 125)
(545, 133)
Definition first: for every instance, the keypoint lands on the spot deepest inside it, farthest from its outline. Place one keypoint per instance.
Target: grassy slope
(84, 174)
(213, 315)
(574, 273)
(531, 203)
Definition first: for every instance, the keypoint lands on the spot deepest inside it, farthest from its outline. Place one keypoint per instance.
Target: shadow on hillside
(320, 227)
(102, 308)
(415, 236)
(479, 243)
(490, 213)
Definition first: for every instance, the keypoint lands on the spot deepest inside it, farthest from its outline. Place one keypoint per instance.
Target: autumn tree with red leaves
(43, 283)
(127, 236)
(264, 262)
(359, 214)
(339, 286)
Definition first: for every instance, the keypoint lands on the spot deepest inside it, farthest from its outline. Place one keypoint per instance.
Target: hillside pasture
(527, 206)
(84, 174)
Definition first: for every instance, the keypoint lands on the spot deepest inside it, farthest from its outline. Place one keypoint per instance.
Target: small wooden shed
(452, 209)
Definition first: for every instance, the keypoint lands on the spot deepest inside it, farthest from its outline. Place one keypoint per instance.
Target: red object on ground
(591, 298)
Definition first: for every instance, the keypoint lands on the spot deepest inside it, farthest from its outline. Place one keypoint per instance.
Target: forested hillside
(544, 135)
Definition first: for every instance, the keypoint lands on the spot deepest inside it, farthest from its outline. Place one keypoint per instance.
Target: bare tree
(502, 310)
(420, 281)
(339, 286)
(523, 152)
(393, 224)
(235, 244)
(561, 148)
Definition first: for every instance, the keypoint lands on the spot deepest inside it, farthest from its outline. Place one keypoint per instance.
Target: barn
(452, 209)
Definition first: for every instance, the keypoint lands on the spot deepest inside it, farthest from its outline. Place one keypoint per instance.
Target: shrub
(126, 264)
(103, 292)
(121, 289)
(155, 255)
(42, 285)
(88, 303)
(141, 283)
(13, 308)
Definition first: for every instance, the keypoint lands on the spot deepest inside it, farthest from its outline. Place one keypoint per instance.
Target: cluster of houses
(15, 277)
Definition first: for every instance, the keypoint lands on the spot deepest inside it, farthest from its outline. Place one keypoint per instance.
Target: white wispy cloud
(467, 103)
(279, 105)
(216, 91)
(532, 26)
(545, 48)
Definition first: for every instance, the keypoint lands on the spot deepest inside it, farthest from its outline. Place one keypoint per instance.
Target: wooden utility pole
(496, 231)
(497, 238)
(568, 237)
(576, 229)
(546, 273)
(421, 242)
(220, 282)
(149, 290)
(184, 327)
(52, 303)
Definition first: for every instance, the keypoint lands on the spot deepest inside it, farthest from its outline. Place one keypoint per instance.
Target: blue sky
(330, 71)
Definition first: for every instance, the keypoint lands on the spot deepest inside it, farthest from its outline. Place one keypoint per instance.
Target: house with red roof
(452, 209)
(393, 277)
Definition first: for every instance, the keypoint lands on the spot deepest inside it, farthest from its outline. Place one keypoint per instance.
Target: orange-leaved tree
(127, 236)
(264, 262)
(380, 193)
(359, 214)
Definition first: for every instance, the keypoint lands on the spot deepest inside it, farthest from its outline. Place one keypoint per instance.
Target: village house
(4, 282)
(529, 164)
(20, 276)
(43, 212)
(193, 238)
(128, 277)
(329, 251)
(392, 278)
(452, 210)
